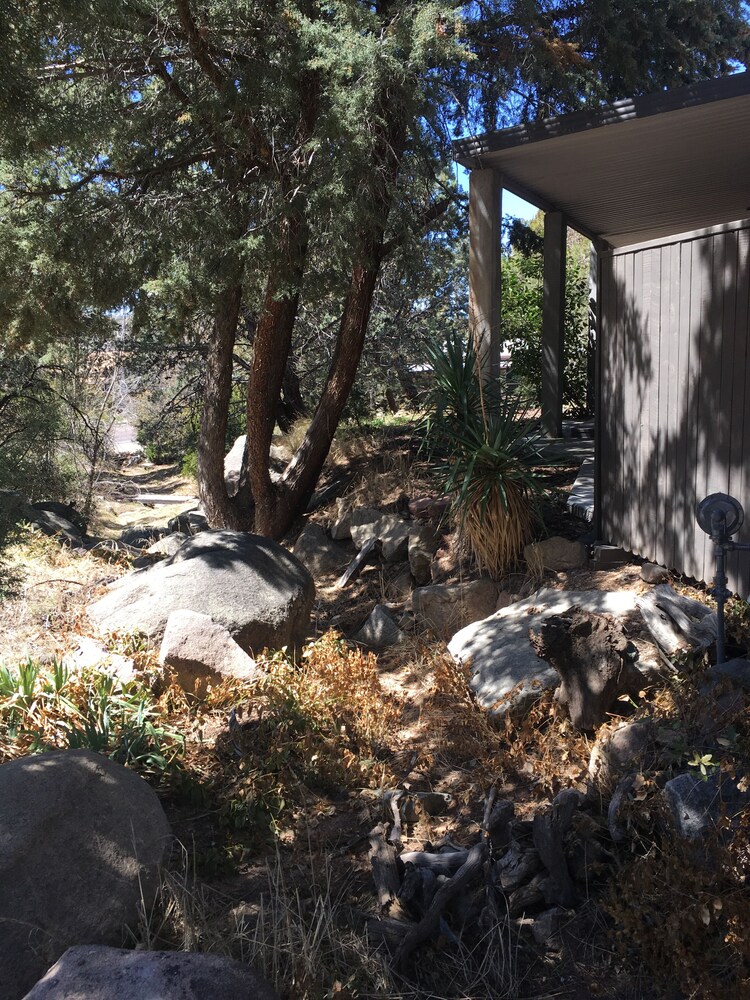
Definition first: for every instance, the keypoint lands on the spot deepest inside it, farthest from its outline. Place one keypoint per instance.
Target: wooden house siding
(674, 421)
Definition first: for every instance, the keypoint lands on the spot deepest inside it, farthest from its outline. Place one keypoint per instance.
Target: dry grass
(495, 533)
(54, 585)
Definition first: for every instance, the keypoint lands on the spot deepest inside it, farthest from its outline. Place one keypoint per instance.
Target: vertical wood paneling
(676, 395)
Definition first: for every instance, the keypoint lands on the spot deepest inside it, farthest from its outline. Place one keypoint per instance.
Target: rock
(447, 607)
(505, 669)
(81, 842)
(696, 803)
(556, 554)
(423, 544)
(624, 749)
(317, 553)
(546, 928)
(90, 654)
(432, 508)
(651, 573)
(609, 557)
(594, 659)
(341, 529)
(389, 530)
(55, 526)
(505, 599)
(233, 465)
(197, 650)
(141, 537)
(249, 584)
(380, 631)
(67, 511)
(168, 545)
(734, 673)
(92, 972)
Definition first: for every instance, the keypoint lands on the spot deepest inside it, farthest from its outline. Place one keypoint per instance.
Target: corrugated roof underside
(642, 179)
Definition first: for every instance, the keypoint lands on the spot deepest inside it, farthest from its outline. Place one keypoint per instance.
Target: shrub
(489, 449)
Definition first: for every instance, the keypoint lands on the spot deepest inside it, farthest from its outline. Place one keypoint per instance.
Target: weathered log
(594, 659)
(550, 827)
(385, 871)
(516, 867)
(394, 836)
(448, 891)
(525, 899)
(357, 563)
(677, 622)
(447, 863)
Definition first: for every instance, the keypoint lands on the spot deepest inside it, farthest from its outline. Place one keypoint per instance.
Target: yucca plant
(489, 452)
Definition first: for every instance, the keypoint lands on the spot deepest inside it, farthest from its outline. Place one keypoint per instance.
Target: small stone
(609, 557)
(198, 649)
(380, 631)
(654, 574)
(168, 545)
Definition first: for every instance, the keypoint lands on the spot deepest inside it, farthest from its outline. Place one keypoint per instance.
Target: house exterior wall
(674, 421)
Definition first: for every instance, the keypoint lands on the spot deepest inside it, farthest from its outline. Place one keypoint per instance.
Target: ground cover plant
(273, 788)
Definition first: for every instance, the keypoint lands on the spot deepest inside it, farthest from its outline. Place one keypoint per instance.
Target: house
(661, 185)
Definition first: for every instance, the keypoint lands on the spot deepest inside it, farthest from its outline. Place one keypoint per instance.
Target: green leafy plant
(45, 707)
(489, 452)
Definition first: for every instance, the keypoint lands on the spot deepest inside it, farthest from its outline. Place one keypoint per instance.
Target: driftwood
(677, 622)
(594, 659)
(357, 563)
(446, 863)
(451, 889)
(549, 829)
(385, 870)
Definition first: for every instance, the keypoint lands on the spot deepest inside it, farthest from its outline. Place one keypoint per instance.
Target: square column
(553, 323)
(485, 214)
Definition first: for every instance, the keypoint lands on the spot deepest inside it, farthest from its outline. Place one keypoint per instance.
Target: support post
(553, 323)
(485, 213)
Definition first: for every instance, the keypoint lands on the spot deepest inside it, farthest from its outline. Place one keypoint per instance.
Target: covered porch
(660, 185)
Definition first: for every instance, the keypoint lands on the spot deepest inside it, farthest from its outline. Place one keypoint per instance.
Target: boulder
(197, 649)
(93, 972)
(141, 537)
(347, 516)
(623, 749)
(249, 584)
(651, 573)
(233, 465)
(81, 842)
(189, 522)
(91, 654)
(423, 544)
(168, 545)
(389, 530)
(506, 671)
(556, 554)
(55, 526)
(318, 553)
(447, 607)
(68, 511)
(379, 630)
(696, 803)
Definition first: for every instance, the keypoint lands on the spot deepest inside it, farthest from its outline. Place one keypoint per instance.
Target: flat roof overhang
(634, 171)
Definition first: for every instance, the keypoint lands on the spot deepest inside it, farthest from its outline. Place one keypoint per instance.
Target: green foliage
(47, 707)
(490, 452)
(522, 288)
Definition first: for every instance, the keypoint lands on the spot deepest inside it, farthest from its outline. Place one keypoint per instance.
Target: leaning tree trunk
(219, 509)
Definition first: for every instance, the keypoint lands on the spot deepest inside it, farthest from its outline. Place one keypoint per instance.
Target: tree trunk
(220, 510)
(271, 349)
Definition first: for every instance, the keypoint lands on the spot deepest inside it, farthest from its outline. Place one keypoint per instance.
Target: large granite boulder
(505, 669)
(251, 585)
(96, 973)
(319, 553)
(81, 842)
(197, 649)
(447, 607)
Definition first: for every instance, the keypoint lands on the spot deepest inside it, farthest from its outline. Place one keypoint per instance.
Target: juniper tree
(199, 161)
